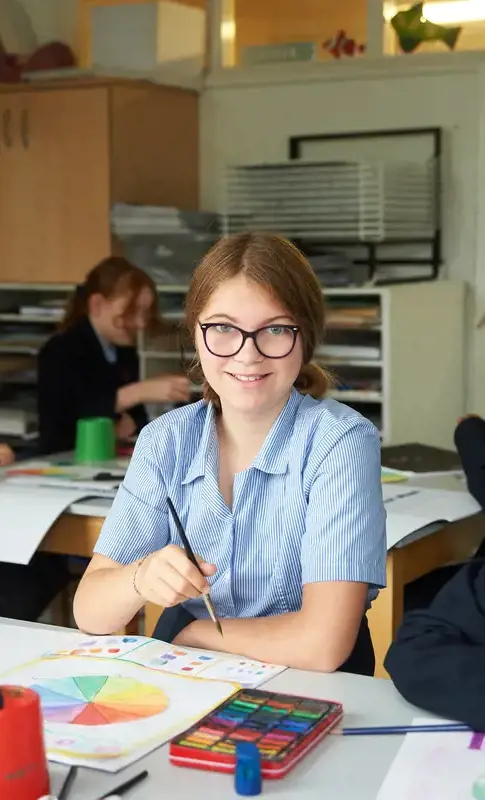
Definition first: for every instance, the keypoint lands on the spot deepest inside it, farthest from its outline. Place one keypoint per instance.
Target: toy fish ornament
(340, 45)
(412, 29)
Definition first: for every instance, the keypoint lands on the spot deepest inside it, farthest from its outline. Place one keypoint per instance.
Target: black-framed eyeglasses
(272, 341)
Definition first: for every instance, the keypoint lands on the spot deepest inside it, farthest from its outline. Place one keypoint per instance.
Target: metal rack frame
(295, 147)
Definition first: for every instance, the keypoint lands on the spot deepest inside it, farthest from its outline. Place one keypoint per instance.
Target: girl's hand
(167, 389)
(7, 455)
(168, 578)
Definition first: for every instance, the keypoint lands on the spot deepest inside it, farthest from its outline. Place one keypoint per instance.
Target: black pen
(125, 787)
(67, 783)
(190, 555)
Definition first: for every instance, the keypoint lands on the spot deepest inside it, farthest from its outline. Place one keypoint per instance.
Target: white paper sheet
(435, 766)
(164, 657)
(26, 516)
(410, 508)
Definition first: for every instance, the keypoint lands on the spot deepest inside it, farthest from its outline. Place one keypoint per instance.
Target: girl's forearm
(106, 600)
(286, 639)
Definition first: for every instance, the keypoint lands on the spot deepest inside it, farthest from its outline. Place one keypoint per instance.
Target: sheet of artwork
(174, 660)
(108, 712)
(437, 766)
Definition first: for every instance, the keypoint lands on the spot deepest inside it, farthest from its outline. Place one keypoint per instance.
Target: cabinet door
(67, 135)
(15, 198)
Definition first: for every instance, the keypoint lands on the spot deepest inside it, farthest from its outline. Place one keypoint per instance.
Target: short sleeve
(137, 523)
(345, 531)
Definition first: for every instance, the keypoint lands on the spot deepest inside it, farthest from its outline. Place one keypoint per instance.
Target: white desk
(339, 769)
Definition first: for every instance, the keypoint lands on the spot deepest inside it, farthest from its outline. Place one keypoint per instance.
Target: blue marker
(247, 777)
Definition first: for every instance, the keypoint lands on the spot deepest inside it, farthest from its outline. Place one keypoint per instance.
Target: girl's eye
(276, 330)
(224, 328)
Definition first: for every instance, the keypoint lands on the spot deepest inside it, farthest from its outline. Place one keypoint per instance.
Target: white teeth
(248, 377)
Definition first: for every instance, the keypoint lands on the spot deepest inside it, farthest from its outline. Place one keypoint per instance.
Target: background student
(279, 491)
(90, 367)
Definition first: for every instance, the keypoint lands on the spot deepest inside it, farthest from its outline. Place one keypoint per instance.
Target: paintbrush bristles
(212, 613)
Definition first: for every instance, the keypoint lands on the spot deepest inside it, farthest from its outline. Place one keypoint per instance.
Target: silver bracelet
(134, 577)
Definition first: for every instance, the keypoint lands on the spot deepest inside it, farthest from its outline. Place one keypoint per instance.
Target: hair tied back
(80, 291)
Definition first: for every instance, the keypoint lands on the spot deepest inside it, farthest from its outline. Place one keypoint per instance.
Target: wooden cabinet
(12, 175)
(69, 152)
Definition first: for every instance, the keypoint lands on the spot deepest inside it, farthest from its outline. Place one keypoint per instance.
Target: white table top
(338, 769)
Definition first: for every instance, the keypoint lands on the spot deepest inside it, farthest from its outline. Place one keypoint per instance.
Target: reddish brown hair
(112, 276)
(275, 264)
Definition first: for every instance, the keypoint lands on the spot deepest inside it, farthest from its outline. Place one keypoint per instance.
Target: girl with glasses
(277, 487)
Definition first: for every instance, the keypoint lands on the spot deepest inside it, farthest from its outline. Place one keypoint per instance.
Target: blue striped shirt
(308, 509)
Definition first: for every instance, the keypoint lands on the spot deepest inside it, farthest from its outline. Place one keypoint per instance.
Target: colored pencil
(66, 786)
(125, 787)
(190, 555)
(379, 730)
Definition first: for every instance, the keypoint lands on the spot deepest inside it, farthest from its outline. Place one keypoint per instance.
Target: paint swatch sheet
(107, 701)
(168, 658)
(437, 766)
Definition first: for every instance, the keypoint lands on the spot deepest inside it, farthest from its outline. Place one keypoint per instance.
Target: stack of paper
(410, 508)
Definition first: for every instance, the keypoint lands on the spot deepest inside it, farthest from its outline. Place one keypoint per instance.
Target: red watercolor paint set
(283, 727)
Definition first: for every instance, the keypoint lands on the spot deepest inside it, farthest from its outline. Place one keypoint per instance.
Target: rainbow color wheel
(98, 699)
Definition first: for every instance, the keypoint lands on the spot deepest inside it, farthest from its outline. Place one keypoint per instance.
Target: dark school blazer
(75, 380)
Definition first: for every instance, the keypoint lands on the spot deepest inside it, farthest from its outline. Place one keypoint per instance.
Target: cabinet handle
(7, 127)
(24, 128)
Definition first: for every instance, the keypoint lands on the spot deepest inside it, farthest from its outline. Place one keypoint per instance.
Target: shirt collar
(274, 455)
(273, 458)
(207, 446)
(109, 350)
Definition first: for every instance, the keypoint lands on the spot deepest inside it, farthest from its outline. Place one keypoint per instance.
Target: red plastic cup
(23, 764)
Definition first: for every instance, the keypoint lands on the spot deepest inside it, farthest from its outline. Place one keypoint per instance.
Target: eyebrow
(235, 321)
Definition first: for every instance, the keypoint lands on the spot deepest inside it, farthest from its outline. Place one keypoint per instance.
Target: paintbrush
(66, 787)
(378, 730)
(190, 555)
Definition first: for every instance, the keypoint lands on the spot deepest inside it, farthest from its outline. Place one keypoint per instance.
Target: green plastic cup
(95, 440)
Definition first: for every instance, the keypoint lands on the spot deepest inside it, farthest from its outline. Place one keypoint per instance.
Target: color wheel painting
(108, 712)
(98, 699)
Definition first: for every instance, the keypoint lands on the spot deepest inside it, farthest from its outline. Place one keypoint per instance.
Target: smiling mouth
(247, 378)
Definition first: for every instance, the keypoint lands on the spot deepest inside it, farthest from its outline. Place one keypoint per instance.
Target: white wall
(53, 19)
(246, 121)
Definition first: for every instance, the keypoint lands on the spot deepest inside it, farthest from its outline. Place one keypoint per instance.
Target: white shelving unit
(396, 354)
(21, 337)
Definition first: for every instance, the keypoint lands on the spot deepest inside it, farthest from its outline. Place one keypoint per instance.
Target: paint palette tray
(283, 727)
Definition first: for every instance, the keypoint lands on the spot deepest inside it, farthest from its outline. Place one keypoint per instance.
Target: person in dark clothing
(90, 367)
(470, 443)
(437, 661)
